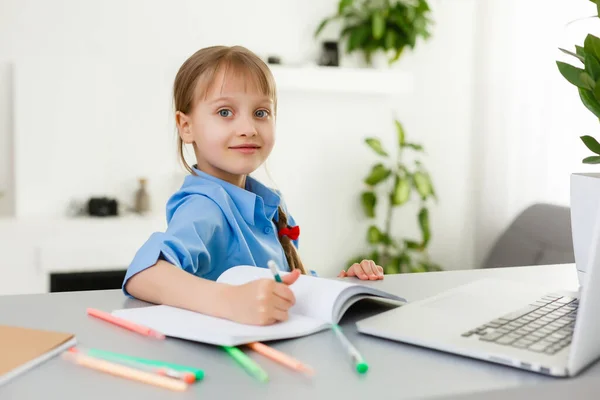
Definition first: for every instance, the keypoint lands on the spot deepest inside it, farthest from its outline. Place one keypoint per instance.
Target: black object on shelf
(77, 281)
(102, 207)
(330, 55)
(273, 60)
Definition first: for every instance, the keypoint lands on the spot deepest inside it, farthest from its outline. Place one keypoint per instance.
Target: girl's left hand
(366, 270)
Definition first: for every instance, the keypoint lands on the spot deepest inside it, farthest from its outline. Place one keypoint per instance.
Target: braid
(289, 249)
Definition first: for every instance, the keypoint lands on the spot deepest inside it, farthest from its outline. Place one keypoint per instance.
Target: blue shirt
(214, 225)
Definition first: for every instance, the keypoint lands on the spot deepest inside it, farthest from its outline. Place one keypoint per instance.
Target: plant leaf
(597, 5)
(411, 244)
(399, 50)
(393, 266)
(348, 29)
(390, 39)
(374, 235)
(592, 160)
(415, 269)
(591, 143)
(580, 51)
(426, 266)
(572, 74)
(424, 225)
(374, 256)
(321, 26)
(401, 134)
(579, 57)
(343, 5)
(596, 89)
(378, 174)
(405, 262)
(357, 38)
(587, 79)
(592, 66)
(378, 25)
(385, 239)
(431, 266)
(423, 6)
(431, 188)
(401, 192)
(414, 146)
(375, 144)
(591, 45)
(421, 183)
(369, 201)
(589, 101)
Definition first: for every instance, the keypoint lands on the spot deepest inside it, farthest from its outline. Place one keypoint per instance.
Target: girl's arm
(164, 283)
(260, 302)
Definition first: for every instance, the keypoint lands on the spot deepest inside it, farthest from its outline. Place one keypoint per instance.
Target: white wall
(124, 36)
(528, 119)
(6, 128)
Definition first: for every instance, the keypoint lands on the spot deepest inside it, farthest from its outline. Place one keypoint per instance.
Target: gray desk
(397, 370)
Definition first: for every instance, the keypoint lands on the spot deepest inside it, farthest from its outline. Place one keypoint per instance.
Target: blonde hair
(197, 74)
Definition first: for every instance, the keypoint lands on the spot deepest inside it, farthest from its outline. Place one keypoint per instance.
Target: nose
(246, 127)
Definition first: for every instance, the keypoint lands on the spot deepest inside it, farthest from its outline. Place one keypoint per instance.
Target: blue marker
(274, 270)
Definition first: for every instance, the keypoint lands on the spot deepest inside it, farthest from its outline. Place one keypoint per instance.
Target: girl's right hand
(261, 302)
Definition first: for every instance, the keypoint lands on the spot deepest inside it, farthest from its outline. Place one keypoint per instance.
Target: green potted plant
(383, 27)
(585, 187)
(397, 182)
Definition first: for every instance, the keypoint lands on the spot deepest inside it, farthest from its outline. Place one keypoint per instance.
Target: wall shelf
(342, 80)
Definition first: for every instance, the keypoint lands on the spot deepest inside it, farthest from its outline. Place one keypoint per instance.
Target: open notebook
(319, 303)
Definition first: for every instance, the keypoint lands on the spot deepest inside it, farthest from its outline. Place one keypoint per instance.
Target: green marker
(273, 268)
(109, 356)
(359, 362)
(253, 368)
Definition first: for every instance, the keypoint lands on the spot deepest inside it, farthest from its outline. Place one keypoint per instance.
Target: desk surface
(396, 370)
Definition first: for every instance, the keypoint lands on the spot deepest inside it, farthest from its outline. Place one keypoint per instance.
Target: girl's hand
(366, 270)
(261, 302)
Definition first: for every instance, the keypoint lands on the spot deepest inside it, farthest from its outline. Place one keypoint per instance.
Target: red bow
(293, 232)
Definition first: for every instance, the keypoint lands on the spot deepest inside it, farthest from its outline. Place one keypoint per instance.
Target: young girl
(225, 104)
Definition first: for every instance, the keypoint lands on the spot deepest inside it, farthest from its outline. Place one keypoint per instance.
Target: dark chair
(540, 235)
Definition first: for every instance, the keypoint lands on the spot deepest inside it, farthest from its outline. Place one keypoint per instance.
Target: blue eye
(225, 113)
(261, 113)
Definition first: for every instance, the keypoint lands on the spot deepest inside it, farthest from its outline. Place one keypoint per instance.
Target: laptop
(505, 322)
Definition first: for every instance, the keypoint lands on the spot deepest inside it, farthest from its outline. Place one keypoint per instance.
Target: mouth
(246, 148)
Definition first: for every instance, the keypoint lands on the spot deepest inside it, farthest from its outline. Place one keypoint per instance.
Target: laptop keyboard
(545, 326)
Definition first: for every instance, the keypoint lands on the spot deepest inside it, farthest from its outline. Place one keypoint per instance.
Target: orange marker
(124, 323)
(282, 358)
(187, 377)
(125, 372)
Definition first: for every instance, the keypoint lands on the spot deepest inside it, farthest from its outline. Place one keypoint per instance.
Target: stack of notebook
(22, 349)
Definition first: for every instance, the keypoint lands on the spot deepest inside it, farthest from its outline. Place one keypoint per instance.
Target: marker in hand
(273, 268)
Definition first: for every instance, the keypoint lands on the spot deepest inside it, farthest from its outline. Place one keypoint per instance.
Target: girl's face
(232, 128)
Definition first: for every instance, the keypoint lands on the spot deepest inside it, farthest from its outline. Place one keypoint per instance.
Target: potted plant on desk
(585, 187)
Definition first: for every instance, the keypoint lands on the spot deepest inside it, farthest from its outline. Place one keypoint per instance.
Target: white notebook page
(315, 297)
(184, 324)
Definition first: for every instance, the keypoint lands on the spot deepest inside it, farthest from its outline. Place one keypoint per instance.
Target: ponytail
(291, 254)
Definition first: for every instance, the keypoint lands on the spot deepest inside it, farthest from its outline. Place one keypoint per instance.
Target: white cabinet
(34, 249)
